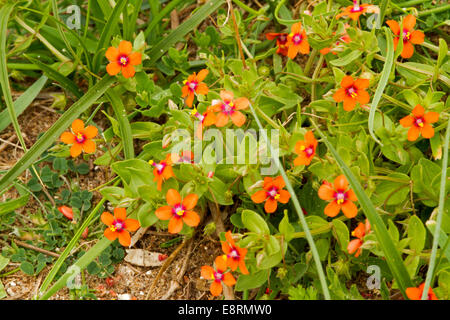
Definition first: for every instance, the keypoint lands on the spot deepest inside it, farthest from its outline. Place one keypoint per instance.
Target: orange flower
(206, 119)
(409, 35)
(80, 138)
(306, 149)
(345, 38)
(218, 275)
(353, 12)
(282, 39)
(119, 225)
(416, 293)
(179, 211)
(272, 194)
(234, 254)
(122, 59)
(340, 196)
(186, 157)
(419, 123)
(352, 92)
(360, 232)
(194, 85)
(228, 108)
(297, 41)
(163, 170)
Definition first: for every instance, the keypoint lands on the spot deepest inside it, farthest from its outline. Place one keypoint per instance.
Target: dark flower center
(178, 210)
(273, 193)
(352, 92)
(228, 107)
(340, 197)
(117, 225)
(80, 138)
(419, 122)
(123, 60)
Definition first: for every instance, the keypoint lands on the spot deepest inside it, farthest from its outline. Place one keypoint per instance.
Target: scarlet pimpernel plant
(265, 150)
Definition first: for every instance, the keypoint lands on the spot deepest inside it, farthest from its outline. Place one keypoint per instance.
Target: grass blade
(437, 231)
(391, 253)
(157, 18)
(54, 132)
(298, 208)
(176, 35)
(382, 83)
(124, 124)
(23, 101)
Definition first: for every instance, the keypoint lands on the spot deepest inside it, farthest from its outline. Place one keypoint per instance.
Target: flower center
(340, 197)
(80, 138)
(406, 35)
(297, 38)
(123, 60)
(356, 7)
(191, 85)
(117, 226)
(234, 254)
(159, 166)
(218, 276)
(352, 92)
(179, 210)
(273, 193)
(282, 39)
(228, 107)
(419, 122)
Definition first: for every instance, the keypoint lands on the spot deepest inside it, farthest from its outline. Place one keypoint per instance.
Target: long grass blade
(54, 132)
(442, 196)
(391, 253)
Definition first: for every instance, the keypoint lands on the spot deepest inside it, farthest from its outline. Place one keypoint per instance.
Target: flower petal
(112, 54)
(340, 183)
(332, 209)
(128, 71)
(349, 208)
(407, 121)
(408, 50)
(89, 146)
(259, 196)
(270, 206)
(191, 218)
(395, 27)
(241, 103)
(173, 197)
(326, 192)
(75, 150)
(207, 272)
(125, 47)
(110, 235)
(431, 117)
(124, 238)
(354, 245)
(164, 213)
(120, 214)
(347, 81)
(427, 131)
(279, 182)
(418, 111)
(238, 118)
(417, 37)
(90, 132)
(175, 225)
(67, 137)
(414, 293)
(202, 75)
(409, 22)
(132, 224)
(362, 97)
(113, 68)
(361, 83)
(77, 126)
(107, 218)
(190, 201)
(221, 120)
(202, 88)
(135, 58)
(413, 133)
(349, 103)
(284, 196)
(228, 279)
(216, 288)
(339, 95)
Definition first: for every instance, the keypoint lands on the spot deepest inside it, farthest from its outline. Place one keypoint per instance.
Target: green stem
(434, 10)
(298, 209)
(439, 215)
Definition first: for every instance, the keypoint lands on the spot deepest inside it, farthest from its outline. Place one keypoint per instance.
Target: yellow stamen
(112, 228)
(277, 196)
(184, 82)
(302, 148)
(353, 94)
(231, 104)
(150, 162)
(224, 257)
(212, 277)
(194, 111)
(180, 213)
(340, 201)
(421, 124)
(291, 34)
(353, 233)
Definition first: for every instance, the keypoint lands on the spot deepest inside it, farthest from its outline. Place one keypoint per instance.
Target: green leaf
(286, 229)
(347, 59)
(253, 280)
(146, 215)
(341, 233)
(382, 83)
(11, 205)
(254, 222)
(417, 233)
(27, 268)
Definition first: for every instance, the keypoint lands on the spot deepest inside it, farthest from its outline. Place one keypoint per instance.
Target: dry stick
(238, 38)
(29, 246)
(215, 211)
(8, 142)
(166, 265)
(175, 284)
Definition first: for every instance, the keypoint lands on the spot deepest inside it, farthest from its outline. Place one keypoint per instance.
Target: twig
(238, 38)
(29, 246)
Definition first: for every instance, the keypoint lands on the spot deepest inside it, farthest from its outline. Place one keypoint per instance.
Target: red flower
(179, 211)
(272, 194)
(80, 138)
(122, 59)
(297, 41)
(419, 123)
(228, 108)
(282, 39)
(340, 196)
(218, 276)
(194, 85)
(306, 149)
(353, 12)
(235, 255)
(416, 293)
(208, 118)
(352, 92)
(119, 225)
(163, 170)
(66, 211)
(360, 232)
(409, 35)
